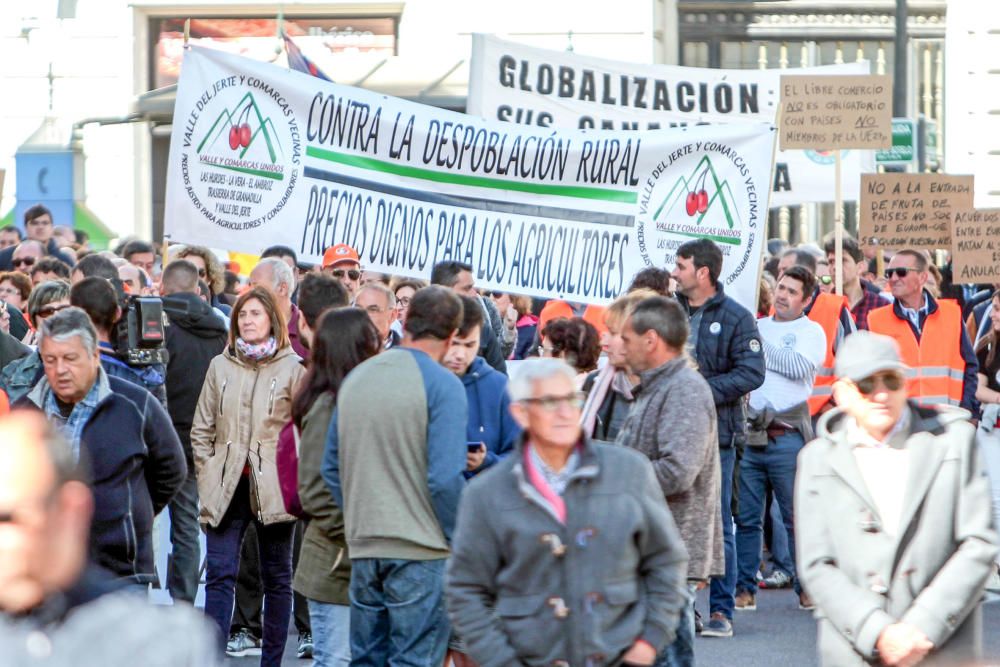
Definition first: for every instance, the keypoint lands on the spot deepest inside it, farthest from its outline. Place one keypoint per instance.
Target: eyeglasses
(891, 381)
(353, 274)
(494, 294)
(48, 311)
(900, 272)
(553, 403)
(24, 261)
(826, 280)
(403, 301)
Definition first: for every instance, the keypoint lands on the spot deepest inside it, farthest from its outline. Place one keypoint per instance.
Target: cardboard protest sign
(975, 249)
(527, 85)
(911, 210)
(260, 155)
(836, 112)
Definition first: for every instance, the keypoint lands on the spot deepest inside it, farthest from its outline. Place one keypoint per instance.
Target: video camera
(138, 338)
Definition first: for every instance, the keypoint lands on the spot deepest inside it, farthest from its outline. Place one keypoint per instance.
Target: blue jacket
(135, 465)
(19, 376)
(730, 358)
(490, 420)
(151, 378)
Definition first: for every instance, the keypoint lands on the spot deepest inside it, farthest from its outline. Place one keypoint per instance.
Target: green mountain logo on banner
(689, 198)
(237, 126)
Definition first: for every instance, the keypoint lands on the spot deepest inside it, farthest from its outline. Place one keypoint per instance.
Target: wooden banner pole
(838, 222)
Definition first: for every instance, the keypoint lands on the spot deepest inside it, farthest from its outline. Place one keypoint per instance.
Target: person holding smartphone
(492, 430)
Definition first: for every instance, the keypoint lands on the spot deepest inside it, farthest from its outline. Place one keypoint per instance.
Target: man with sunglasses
(931, 336)
(893, 520)
(565, 553)
(26, 255)
(38, 227)
(342, 262)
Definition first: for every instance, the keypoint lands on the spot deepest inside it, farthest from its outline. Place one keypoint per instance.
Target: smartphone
(473, 447)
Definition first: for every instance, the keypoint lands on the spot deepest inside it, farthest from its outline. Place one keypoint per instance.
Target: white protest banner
(532, 86)
(261, 155)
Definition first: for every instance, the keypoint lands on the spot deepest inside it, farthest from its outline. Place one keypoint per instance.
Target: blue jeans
(781, 554)
(397, 612)
(275, 543)
(681, 652)
(774, 464)
(723, 591)
(331, 633)
(185, 551)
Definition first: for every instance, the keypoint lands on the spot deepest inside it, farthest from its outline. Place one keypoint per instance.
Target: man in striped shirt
(794, 347)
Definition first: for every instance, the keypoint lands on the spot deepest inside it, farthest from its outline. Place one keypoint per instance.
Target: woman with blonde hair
(609, 390)
(244, 403)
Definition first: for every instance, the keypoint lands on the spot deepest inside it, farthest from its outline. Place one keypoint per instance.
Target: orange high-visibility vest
(555, 309)
(826, 313)
(937, 368)
(4, 403)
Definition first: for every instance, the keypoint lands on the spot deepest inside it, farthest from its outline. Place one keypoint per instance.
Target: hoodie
(194, 336)
(490, 420)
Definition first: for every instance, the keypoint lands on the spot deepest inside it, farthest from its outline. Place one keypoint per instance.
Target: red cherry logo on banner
(234, 137)
(245, 135)
(691, 204)
(702, 201)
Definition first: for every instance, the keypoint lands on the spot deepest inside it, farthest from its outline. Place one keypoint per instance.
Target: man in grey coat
(565, 552)
(892, 520)
(673, 423)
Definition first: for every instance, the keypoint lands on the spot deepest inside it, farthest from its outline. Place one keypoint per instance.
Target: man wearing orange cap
(342, 262)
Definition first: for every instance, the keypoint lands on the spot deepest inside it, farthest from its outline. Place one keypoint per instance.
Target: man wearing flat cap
(893, 525)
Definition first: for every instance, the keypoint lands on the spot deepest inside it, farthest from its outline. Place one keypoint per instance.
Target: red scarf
(537, 480)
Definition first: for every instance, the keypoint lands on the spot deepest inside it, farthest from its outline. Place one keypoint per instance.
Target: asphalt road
(777, 633)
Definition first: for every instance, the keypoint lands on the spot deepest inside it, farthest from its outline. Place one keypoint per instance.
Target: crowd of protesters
(350, 446)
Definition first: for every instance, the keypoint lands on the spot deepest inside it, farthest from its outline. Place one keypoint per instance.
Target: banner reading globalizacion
(261, 155)
(532, 86)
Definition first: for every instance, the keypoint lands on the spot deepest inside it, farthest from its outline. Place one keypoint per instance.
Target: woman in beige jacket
(243, 405)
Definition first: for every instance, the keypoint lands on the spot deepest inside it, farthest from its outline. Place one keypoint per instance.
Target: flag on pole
(298, 62)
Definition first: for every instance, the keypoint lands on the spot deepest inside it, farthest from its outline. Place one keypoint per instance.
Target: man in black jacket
(725, 343)
(119, 432)
(39, 227)
(195, 335)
